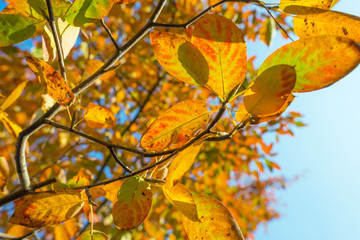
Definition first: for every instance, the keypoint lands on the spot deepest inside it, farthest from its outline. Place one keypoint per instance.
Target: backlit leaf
(326, 22)
(97, 116)
(267, 31)
(16, 28)
(336, 57)
(180, 58)
(54, 83)
(60, 232)
(181, 197)
(11, 126)
(83, 12)
(14, 95)
(223, 46)
(34, 8)
(216, 221)
(93, 65)
(93, 235)
(270, 89)
(67, 34)
(4, 173)
(47, 208)
(182, 163)
(133, 204)
(175, 126)
(290, 6)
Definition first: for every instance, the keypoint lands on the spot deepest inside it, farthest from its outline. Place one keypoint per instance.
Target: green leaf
(16, 28)
(83, 12)
(93, 235)
(319, 61)
(128, 190)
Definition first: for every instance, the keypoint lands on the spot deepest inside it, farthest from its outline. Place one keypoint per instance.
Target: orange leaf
(181, 197)
(47, 208)
(93, 65)
(97, 116)
(336, 57)
(180, 58)
(60, 233)
(175, 126)
(270, 90)
(54, 83)
(260, 166)
(133, 204)
(216, 221)
(223, 46)
(4, 173)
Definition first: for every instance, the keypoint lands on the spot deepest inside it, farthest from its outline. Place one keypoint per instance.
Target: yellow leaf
(12, 127)
(93, 65)
(182, 199)
(93, 235)
(223, 46)
(17, 230)
(175, 126)
(54, 83)
(289, 6)
(60, 232)
(4, 173)
(216, 221)
(97, 116)
(47, 208)
(180, 58)
(14, 95)
(325, 22)
(133, 204)
(182, 163)
(270, 90)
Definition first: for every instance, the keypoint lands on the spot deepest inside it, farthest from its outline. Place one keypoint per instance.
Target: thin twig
(55, 33)
(118, 160)
(109, 33)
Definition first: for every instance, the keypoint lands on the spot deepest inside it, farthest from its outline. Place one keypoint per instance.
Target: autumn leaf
(181, 197)
(133, 204)
(216, 221)
(289, 6)
(223, 46)
(60, 232)
(11, 126)
(83, 12)
(14, 95)
(93, 235)
(97, 116)
(93, 65)
(270, 90)
(4, 173)
(54, 83)
(267, 31)
(180, 58)
(175, 126)
(336, 57)
(47, 208)
(182, 163)
(325, 22)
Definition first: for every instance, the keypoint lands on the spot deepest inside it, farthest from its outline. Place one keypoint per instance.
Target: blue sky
(324, 202)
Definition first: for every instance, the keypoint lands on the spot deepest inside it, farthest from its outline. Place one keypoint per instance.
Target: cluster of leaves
(200, 149)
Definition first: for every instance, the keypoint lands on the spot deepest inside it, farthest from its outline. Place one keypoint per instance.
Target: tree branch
(109, 33)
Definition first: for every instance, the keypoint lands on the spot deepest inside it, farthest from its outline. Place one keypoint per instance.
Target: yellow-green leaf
(316, 67)
(223, 46)
(182, 163)
(133, 204)
(93, 235)
(47, 208)
(97, 116)
(14, 95)
(326, 22)
(270, 90)
(268, 31)
(54, 83)
(175, 126)
(180, 58)
(181, 197)
(216, 221)
(290, 6)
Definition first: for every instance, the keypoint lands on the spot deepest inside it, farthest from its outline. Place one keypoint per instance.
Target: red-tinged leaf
(12, 127)
(4, 173)
(97, 116)
(93, 235)
(182, 163)
(60, 233)
(290, 6)
(14, 95)
(133, 204)
(180, 58)
(270, 90)
(54, 83)
(336, 57)
(181, 197)
(223, 46)
(83, 12)
(175, 126)
(93, 65)
(216, 221)
(47, 208)
(325, 22)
